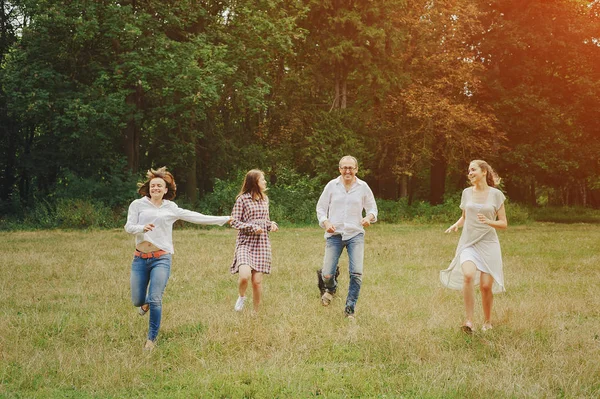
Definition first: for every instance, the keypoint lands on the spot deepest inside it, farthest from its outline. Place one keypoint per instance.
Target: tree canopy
(102, 90)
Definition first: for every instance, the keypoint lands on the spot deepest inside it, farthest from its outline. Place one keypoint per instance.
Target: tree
(439, 116)
(544, 78)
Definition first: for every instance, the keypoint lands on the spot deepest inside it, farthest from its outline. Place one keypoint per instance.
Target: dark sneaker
(349, 313)
(321, 284)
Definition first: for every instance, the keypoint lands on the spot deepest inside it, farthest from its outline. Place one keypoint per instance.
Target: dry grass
(67, 328)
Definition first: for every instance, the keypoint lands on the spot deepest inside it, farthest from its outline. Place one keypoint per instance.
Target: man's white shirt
(344, 209)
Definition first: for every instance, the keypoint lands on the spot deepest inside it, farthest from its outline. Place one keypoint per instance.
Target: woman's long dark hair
(250, 185)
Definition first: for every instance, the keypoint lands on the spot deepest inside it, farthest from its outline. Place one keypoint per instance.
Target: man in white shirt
(340, 213)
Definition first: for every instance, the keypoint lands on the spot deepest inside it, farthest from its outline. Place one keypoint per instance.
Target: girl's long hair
(250, 185)
(491, 177)
(144, 188)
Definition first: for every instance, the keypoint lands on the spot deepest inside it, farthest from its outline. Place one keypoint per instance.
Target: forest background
(93, 93)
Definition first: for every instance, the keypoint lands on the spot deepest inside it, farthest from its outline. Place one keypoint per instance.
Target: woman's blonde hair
(491, 178)
(162, 173)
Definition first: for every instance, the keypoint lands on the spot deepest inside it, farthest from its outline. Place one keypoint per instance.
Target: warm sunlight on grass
(67, 328)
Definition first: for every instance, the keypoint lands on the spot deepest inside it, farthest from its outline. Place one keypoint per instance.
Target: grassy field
(68, 329)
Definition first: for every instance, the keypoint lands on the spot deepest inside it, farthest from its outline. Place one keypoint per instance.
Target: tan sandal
(468, 328)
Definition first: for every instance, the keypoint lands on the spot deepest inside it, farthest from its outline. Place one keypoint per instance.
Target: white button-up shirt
(142, 212)
(345, 209)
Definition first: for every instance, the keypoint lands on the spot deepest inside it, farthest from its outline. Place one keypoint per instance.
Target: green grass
(68, 329)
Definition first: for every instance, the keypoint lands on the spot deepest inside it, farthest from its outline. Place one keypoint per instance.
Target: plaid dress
(251, 249)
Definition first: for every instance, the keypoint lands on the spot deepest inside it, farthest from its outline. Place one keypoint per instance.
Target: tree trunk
(344, 94)
(191, 184)
(532, 195)
(132, 131)
(25, 180)
(403, 186)
(437, 176)
(336, 100)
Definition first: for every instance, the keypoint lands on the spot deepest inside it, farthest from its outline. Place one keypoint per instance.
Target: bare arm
(459, 223)
(501, 223)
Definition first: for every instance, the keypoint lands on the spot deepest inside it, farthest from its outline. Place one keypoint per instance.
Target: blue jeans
(355, 247)
(148, 281)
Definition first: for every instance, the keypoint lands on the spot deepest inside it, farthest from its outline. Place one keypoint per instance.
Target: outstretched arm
(199, 218)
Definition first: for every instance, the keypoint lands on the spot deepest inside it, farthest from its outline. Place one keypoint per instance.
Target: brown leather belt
(148, 255)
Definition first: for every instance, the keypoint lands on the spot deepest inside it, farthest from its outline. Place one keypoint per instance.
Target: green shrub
(422, 212)
(220, 201)
(293, 197)
(517, 214)
(42, 216)
(448, 212)
(566, 215)
(81, 214)
(111, 190)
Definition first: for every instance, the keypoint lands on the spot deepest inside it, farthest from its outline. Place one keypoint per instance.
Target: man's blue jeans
(355, 247)
(148, 281)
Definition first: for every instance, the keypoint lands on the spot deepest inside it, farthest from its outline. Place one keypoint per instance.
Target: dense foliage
(93, 93)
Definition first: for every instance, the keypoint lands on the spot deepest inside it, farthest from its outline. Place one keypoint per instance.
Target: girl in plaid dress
(250, 216)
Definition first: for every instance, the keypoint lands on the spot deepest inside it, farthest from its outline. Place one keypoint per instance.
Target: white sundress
(478, 241)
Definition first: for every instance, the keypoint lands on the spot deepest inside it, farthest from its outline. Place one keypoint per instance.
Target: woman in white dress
(478, 258)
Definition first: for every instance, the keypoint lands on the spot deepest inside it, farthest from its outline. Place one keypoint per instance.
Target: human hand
(483, 219)
(259, 231)
(366, 221)
(452, 228)
(330, 228)
(148, 227)
(274, 226)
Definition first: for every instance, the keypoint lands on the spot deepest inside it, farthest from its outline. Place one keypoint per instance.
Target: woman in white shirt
(151, 219)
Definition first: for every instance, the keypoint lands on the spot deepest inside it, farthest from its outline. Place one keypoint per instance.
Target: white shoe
(150, 345)
(239, 304)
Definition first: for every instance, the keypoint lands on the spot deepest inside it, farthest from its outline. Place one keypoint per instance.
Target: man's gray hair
(348, 157)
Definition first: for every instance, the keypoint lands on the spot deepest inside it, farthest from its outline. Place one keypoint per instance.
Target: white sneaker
(239, 304)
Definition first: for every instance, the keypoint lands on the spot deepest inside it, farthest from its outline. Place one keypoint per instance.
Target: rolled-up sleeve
(323, 205)
(370, 204)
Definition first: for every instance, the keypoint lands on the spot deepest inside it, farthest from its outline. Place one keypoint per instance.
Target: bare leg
(256, 289)
(487, 297)
(244, 276)
(469, 269)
